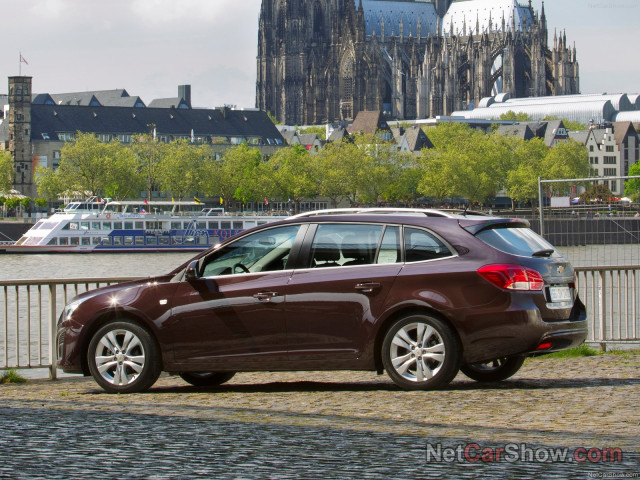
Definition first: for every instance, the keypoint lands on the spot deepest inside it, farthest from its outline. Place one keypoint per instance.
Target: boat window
(53, 241)
(95, 225)
(85, 240)
(201, 225)
(128, 239)
(117, 225)
(74, 241)
(139, 225)
(96, 240)
(214, 225)
(128, 225)
(238, 226)
(37, 225)
(106, 241)
(164, 240)
(152, 241)
(139, 240)
(64, 241)
(117, 240)
(225, 225)
(176, 225)
(84, 225)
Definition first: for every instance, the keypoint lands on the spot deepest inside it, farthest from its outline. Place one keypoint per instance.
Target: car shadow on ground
(456, 385)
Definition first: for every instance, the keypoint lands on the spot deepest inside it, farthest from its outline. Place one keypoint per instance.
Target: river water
(95, 265)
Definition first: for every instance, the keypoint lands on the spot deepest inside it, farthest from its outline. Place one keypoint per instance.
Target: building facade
(35, 128)
(326, 60)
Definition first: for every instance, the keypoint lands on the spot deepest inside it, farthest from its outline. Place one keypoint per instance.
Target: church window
(318, 19)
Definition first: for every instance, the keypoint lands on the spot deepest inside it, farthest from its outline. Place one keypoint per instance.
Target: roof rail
(429, 212)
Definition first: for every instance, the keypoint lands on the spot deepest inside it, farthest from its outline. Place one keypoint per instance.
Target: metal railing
(30, 311)
(612, 298)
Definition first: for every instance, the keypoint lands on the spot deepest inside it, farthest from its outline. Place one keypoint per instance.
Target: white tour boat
(133, 226)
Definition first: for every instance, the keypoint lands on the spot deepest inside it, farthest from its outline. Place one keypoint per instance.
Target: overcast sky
(149, 47)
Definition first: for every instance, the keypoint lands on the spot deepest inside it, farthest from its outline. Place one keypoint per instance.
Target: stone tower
(19, 124)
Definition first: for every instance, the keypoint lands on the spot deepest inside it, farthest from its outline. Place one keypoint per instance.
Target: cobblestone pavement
(331, 425)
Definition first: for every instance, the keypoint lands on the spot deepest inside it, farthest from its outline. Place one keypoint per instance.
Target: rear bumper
(525, 332)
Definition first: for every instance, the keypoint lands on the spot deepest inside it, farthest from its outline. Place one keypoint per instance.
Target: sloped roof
(337, 135)
(175, 102)
(621, 130)
(224, 122)
(308, 138)
(368, 122)
(552, 130)
(394, 13)
(580, 136)
(487, 14)
(518, 130)
(289, 136)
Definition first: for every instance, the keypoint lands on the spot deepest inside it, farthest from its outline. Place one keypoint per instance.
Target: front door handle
(265, 296)
(368, 287)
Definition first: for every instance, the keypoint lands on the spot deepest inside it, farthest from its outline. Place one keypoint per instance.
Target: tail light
(512, 277)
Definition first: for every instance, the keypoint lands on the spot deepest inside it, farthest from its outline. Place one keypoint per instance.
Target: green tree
(6, 171)
(227, 177)
(632, 186)
(180, 168)
(291, 174)
(516, 117)
(148, 153)
(83, 169)
(522, 178)
(317, 129)
(327, 171)
(566, 160)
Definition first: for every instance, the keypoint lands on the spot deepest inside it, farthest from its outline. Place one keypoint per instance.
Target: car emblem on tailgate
(561, 269)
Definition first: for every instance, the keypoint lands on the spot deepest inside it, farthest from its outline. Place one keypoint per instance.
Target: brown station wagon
(420, 294)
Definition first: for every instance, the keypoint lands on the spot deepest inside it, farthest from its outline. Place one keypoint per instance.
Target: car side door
(232, 315)
(338, 293)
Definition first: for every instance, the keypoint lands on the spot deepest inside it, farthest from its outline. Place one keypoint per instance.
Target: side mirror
(191, 273)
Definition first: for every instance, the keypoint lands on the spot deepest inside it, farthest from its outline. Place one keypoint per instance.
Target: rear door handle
(368, 287)
(265, 296)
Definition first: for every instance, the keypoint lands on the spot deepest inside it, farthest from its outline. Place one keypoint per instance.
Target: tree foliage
(6, 171)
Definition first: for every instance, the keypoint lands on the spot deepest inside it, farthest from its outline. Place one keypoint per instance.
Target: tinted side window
(421, 245)
(336, 245)
(262, 251)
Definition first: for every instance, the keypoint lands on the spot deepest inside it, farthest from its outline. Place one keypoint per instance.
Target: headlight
(69, 309)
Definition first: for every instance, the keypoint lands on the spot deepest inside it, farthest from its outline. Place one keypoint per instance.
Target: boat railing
(30, 310)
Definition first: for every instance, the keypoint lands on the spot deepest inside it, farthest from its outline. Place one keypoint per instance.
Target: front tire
(420, 352)
(493, 371)
(123, 357)
(207, 379)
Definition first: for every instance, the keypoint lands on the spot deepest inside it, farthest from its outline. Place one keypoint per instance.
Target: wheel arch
(405, 312)
(114, 316)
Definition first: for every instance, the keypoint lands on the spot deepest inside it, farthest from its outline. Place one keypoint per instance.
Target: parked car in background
(419, 294)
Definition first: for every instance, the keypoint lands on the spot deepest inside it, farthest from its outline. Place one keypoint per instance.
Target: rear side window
(337, 245)
(421, 245)
(516, 241)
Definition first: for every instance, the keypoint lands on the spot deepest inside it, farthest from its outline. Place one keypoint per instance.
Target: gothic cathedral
(326, 60)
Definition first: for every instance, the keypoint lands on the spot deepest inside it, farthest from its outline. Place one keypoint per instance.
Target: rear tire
(420, 352)
(123, 357)
(493, 371)
(207, 379)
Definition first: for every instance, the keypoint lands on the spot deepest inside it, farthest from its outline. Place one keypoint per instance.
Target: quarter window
(421, 245)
